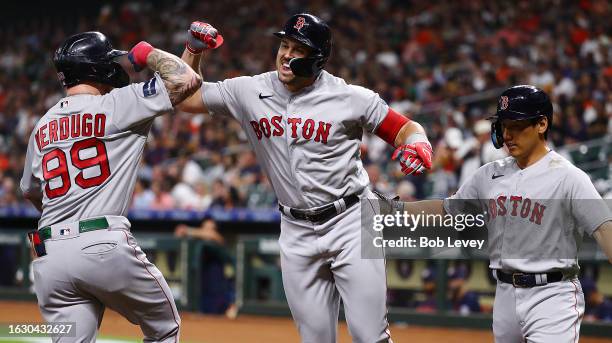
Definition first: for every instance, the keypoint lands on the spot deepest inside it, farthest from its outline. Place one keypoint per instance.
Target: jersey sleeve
(369, 106)
(138, 102)
(468, 191)
(586, 205)
(28, 182)
(224, 97)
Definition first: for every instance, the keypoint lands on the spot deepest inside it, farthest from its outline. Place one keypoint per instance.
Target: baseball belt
(528, 280)
(38, 237)
(324, 213)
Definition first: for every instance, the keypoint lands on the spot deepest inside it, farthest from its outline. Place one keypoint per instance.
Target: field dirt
(251, 329)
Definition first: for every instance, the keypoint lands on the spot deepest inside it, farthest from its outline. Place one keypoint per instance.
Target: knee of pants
(312, 334)
(170, 333)
(317, 329)
(371, 334)
(175, 328)
(174, 331)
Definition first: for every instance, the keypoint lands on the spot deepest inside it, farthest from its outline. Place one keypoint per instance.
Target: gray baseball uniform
(83, 155)
(308, 144)
(537, 217)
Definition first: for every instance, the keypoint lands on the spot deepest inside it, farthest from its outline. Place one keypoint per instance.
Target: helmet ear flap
(497, 134)
(304, 67)
(117, 76)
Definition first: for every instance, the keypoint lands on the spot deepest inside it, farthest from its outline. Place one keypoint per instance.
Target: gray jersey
(537, 215)
(308, 142)
(84, 152)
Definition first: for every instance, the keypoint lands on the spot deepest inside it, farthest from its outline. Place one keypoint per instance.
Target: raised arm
(194, 103)
(193, 60)
(179, 78)
(200, 37)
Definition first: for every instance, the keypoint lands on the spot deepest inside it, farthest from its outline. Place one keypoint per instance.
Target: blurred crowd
(443, 63)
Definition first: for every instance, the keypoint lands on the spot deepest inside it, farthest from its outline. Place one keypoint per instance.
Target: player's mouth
(285, 69)
(511, 146)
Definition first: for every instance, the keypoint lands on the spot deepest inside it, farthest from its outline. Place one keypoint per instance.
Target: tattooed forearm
(180, 80)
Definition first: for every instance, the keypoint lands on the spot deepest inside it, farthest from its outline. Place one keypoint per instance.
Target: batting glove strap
(417, 137)
(138, 55)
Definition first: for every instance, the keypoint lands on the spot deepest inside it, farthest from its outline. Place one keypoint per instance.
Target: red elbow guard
(390, 126)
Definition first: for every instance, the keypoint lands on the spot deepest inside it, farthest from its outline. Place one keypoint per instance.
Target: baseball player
(306, 126)
(538, 207)
(80, 171)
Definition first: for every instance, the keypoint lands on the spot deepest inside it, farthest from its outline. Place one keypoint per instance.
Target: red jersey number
(60, 171)
(100, 160)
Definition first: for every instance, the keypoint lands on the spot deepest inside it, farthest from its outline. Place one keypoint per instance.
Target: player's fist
(138, 55)
(414, 158)
(202, 36)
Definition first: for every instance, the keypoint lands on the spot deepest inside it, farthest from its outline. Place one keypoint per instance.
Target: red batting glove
(138, 55)
(413, 158)
(425, 153)
(202, 36)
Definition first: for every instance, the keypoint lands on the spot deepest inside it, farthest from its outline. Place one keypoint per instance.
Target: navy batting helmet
(314, 33)
(89, 56)
(521, 102)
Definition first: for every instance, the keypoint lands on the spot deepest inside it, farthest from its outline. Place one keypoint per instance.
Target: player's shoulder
(39, 122)
(557, 163)
(360, 91)
(61, 107)
(500, 166)
(248, 81)
(265, 80)
(358, 94)
(148, 90)
(575, 182)
(266, 77)
(331, 80)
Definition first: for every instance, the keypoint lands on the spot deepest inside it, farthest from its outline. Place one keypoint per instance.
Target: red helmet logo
(300, 23)
(503, 102)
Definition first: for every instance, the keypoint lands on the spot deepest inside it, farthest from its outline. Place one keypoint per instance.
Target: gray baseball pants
(83, 273)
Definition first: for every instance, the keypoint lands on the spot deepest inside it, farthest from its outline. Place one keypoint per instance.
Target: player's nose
(289, 54)
(507, 134)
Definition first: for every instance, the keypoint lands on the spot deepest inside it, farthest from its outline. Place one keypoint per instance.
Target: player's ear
(543, 125)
